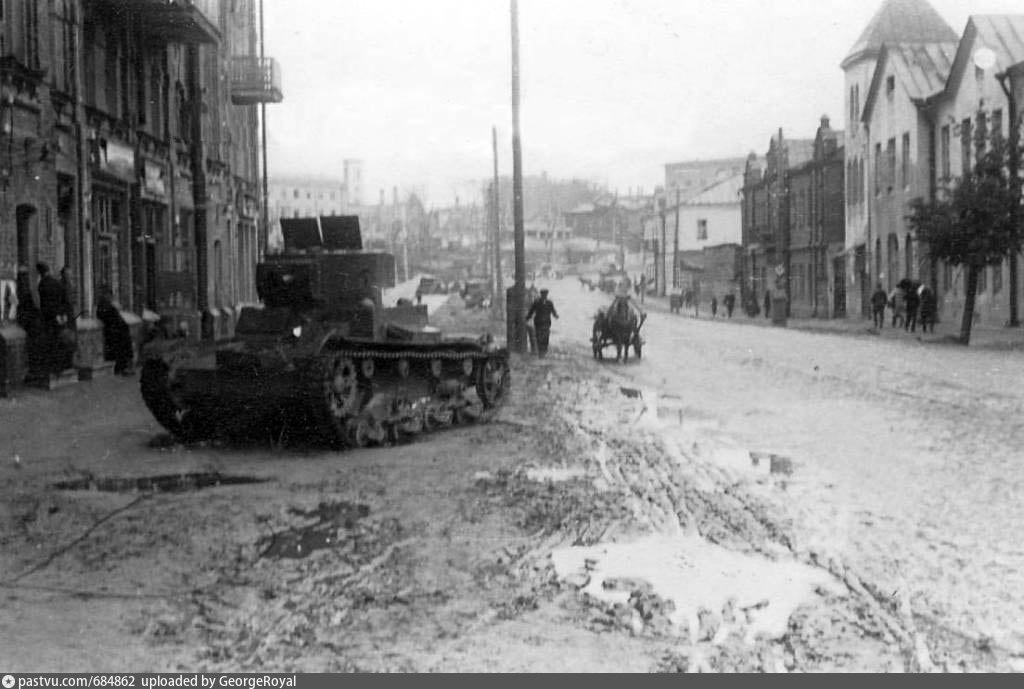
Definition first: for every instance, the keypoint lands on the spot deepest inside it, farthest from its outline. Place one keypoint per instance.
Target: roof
(724, 191)
(921, 69)
(1002, 33)
(799, 151)
(900, 21)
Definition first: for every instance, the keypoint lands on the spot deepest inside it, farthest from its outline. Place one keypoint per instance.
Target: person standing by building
(898, 304)
(541, 311)
(767, 304)
(913, 302)
(730, 303)
(53, 307)
(929, 309)
(878, 302)
(117, 336)
(714, 307)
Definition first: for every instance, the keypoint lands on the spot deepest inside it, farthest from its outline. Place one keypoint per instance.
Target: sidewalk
(982, 337)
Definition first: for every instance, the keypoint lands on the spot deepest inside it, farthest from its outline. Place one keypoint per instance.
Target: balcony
(255, 80)
(180, 21)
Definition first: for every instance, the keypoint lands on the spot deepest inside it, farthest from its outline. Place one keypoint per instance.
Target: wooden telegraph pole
(675, 246)
(516, 308)
(498, 302)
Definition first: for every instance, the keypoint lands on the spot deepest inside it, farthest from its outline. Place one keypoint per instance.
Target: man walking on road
(878, 302)
(541, 311)
(730, 303)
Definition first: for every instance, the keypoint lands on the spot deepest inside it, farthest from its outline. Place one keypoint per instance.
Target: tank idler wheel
(342, 398)
(183, 421)
(493, 382)
(365, 431)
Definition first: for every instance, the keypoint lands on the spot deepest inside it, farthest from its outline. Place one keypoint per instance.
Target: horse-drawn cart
(619, 326)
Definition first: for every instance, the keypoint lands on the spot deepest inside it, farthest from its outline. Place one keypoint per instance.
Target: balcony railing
(255, 80)
(181, 21)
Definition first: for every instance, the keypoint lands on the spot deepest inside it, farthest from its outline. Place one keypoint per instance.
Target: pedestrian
(912, 302)
(898, 304)
(117, 337)
(929, 309)
(53, 308)
(541, 311)
(714, 307)
(878, 301)
(730, 303)
(767, 303)
(419, 296)
(30, 320)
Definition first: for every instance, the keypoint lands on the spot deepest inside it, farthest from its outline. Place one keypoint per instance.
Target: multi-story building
(766, 209)
(920, 44)
(301, 197)
(815, 236)
(353, 179)
(131, 146)
(971, 103)
(690, 178)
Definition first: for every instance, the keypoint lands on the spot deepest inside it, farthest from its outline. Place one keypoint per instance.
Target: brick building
(765, 216)
(816, 230)
(131, 156)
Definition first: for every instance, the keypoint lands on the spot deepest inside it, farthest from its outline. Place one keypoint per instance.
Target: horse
(618, 325)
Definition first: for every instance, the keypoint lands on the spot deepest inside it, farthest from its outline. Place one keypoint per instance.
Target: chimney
(824, 122)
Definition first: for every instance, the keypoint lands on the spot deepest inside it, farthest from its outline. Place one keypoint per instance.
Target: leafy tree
(973, 223)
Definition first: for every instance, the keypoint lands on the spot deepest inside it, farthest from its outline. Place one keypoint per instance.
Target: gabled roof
(900, 21)
(921, 70)
(1001, 33)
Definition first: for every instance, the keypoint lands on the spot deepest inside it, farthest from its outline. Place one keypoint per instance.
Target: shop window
(702, 229)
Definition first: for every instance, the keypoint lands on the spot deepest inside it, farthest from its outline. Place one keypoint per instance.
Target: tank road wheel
(493, 381)
(364, 431)
(342, 397)
(183, 421)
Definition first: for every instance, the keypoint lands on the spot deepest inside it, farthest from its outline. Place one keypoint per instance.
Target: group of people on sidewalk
(911, 305)
(49, 325)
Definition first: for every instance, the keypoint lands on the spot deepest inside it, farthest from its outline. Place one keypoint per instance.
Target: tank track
(365, 397)
(354, 397)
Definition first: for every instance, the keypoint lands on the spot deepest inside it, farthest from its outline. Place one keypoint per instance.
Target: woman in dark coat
(31, 321)
(928, 309)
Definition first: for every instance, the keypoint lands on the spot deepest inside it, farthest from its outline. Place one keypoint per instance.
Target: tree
(973, 222)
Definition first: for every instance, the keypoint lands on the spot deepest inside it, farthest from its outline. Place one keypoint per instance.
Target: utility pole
(498, 302)
(265, 221)
(659, 253)
(664, 278)
(517, 311)
(675, 247)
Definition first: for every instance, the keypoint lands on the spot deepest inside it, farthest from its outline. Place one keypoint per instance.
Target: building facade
(973, 103)
(817, 230)
(765, 217)
(132, 155)
(918, 29)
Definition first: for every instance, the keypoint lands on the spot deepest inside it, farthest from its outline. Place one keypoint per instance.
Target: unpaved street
(743, 498)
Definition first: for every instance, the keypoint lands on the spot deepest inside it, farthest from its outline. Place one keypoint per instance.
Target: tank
(322, 353)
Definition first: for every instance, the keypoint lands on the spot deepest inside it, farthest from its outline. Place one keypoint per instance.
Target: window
(295, 194)
(905, 161)
(31, 10)
(890, 85)
(965, 146)
(997, 125)
(890, 171)
(997, 278)
(982, 280)
(702, 229)
(947, 276)
(982, 134)
(878, 168)
(944, 152)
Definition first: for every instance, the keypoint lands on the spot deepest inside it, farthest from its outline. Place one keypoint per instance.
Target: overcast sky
(611, 89)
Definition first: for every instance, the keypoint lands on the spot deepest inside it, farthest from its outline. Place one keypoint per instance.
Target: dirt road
(586, 528)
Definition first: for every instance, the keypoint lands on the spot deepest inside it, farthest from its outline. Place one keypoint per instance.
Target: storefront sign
(153, 179)
(114, 158)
